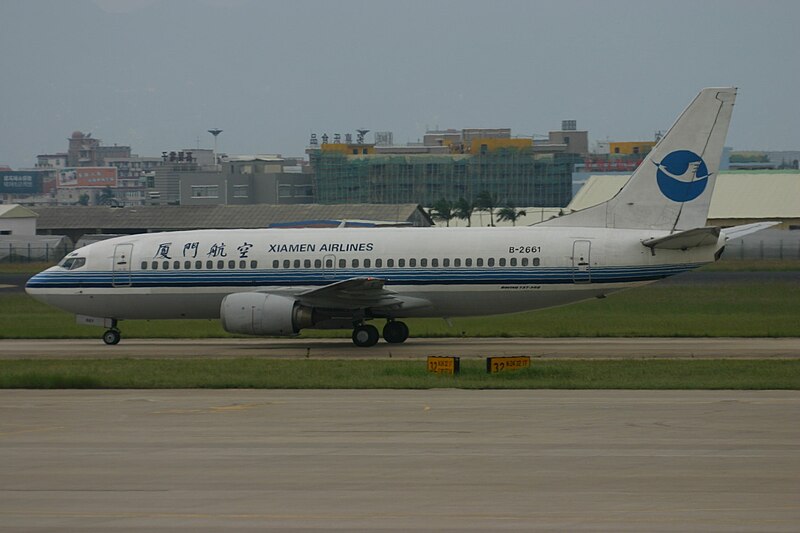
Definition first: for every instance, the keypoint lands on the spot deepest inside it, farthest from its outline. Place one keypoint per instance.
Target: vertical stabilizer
(671, 189)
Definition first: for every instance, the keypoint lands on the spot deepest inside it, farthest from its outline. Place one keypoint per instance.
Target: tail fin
(671, 189)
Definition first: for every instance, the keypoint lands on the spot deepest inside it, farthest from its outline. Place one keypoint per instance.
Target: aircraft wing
(682, 240)
(357, 293)
(740, 231)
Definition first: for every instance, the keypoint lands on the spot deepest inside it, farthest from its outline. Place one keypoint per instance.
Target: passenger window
(253, 264)
(165, 265)
(434, 262)
(317, 263)
(412, 262)
(144, 265)
(231, 264)
(513, 261)
(154, 265)
(468, 262)
(297, 263)
(242, 264)
(176, 265)
(355, 263)
(187, 265)
(307, 263)
(367, 263)
(401, 263)
(329, 263)
(445, 262)
(220, 264)
(456, 262)
(524, 261)
(286, 263)
(378, 263)
(342, 263)
(490, 262)
(479, 262)
(502, 261)
(423, 262)
(536, 261)
(276, 264)
(210, 264)
(390, 263)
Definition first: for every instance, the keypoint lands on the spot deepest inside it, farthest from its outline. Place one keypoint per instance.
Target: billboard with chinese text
(88, 177)
(20, 182)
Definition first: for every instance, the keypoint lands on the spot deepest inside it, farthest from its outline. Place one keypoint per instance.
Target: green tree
(464, 209)
(83, 199)
(443, 210)
(510, 212)
(105, 197)
(487, 202)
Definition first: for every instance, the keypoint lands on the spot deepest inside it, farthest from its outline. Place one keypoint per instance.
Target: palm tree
(443, 210)
(487, 202)
(510, 213)
(464, 210)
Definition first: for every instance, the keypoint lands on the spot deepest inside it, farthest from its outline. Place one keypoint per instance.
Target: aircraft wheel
(395, 332)
(365, 336)
(112, 336)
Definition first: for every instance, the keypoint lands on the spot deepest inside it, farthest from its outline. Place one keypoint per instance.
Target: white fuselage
(455, 271)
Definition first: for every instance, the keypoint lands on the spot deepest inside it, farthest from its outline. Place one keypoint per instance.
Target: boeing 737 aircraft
(278, 282)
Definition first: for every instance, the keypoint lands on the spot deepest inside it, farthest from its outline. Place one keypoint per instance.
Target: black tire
(365, 336)
(112, 336)
(395, 332)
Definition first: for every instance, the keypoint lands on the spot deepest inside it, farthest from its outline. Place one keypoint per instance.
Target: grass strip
(249, 373)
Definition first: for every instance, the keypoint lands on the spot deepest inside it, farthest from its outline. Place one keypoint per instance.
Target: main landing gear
(366, 335)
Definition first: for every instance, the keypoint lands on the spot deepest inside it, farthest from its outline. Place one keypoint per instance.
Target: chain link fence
(772, 244)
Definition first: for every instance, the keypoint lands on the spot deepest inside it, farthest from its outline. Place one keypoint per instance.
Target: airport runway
(400, 460)
(544, 348)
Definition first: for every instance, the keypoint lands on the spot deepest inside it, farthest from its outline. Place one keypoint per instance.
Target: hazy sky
(156, 74)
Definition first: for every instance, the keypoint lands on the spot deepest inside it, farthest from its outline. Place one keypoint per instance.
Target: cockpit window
(73, 262)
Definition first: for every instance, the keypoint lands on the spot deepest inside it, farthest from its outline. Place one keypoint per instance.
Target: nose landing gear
(112, 336)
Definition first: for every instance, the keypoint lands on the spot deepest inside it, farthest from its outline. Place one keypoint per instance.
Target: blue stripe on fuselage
(314, 277)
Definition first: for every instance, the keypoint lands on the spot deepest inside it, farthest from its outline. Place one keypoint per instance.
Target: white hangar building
(739, 197)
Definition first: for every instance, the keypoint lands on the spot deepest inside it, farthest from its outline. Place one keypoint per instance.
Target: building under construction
(450, 165)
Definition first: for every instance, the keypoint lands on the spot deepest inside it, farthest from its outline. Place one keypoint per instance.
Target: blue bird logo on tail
(682, 175)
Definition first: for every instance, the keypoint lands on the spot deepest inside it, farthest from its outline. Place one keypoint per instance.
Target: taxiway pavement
(399, 460)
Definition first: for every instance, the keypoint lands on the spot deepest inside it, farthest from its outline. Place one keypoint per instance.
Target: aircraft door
(581, 262)
(329, 267)
(121, 270)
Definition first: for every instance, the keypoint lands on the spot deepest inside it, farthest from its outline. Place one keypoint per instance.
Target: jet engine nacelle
(257, 313)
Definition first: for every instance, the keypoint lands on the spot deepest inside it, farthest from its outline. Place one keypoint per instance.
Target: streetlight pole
(215, 132)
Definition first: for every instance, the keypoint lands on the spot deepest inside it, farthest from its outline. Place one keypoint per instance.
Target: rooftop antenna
(215, 132)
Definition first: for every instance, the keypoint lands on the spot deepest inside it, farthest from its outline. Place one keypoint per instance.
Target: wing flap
(356, 293)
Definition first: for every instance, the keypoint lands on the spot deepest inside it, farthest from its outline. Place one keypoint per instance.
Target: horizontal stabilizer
(740, 231)
(683, 240)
